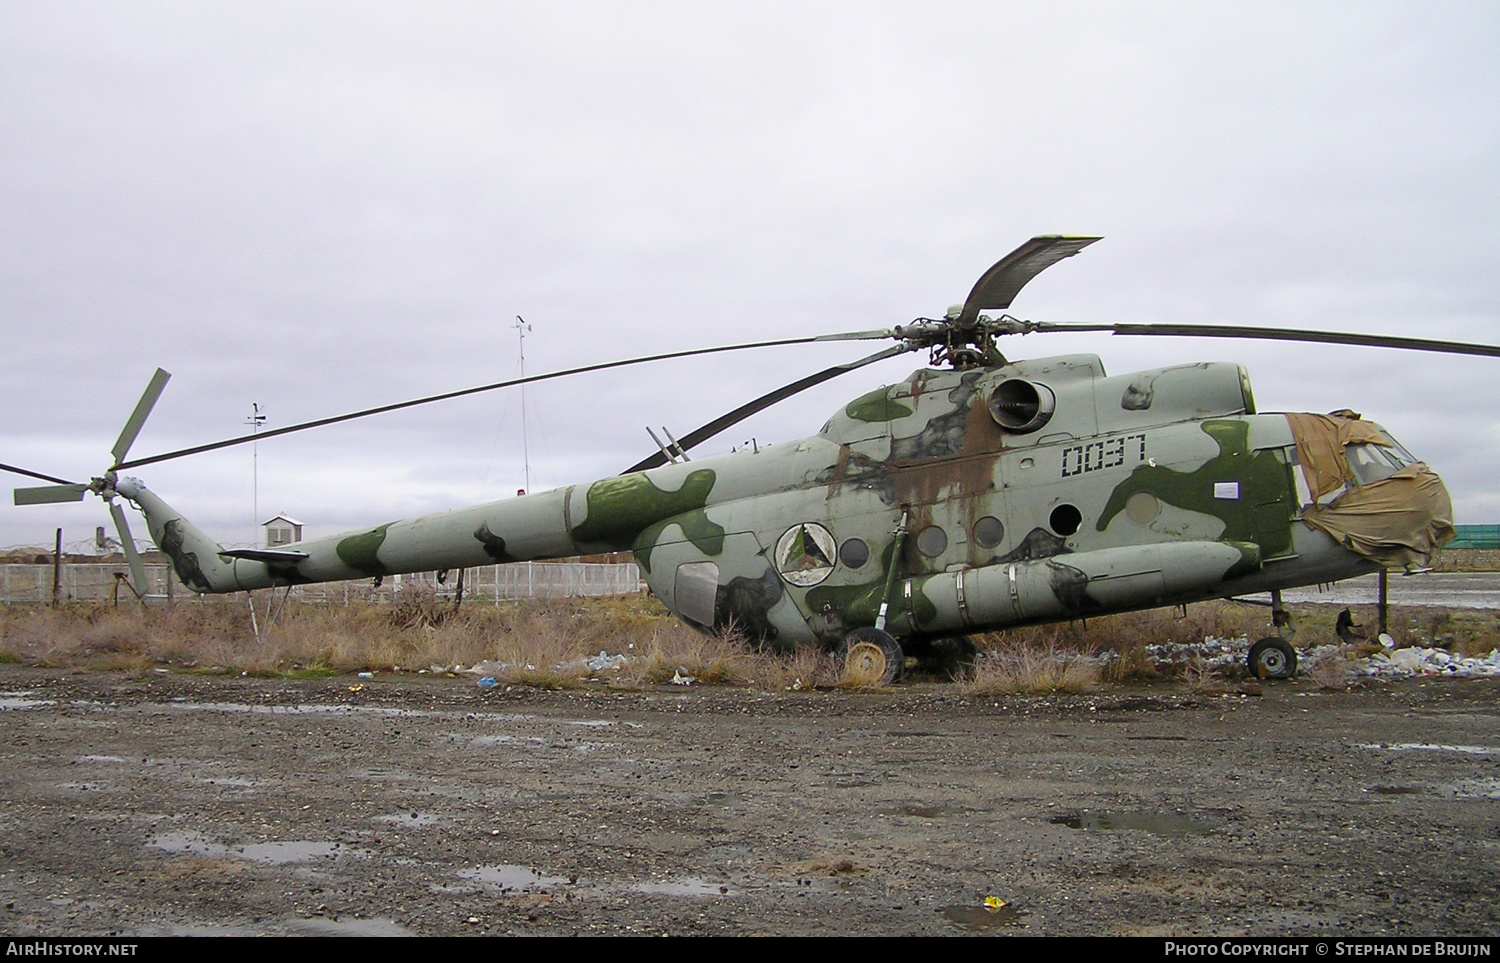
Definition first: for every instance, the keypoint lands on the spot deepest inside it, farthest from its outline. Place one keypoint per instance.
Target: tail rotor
(61, 490)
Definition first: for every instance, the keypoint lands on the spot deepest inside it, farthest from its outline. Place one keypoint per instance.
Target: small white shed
(282, 530)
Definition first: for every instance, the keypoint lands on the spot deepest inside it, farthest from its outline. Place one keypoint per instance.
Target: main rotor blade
(50, 494)
(262, 436)
(138, 417)
(998, 286)
(33, 474)
(1274, 334)
(699, 435)
(127, 545)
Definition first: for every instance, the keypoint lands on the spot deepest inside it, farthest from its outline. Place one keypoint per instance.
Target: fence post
(56, 567)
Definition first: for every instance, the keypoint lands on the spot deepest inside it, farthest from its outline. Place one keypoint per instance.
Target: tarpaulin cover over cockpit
(1399, 520)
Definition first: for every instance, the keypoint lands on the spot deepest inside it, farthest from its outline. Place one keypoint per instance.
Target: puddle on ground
(344, 926)
(683, 886)
(1397, 790)
(1476, 789)
(1432, 747)
(1160, 824)
(19, 700)
(101, 759)
(978, 919)
(295, 851)
(480, 742)
(189, 844)
(509, 876)
(384, 712)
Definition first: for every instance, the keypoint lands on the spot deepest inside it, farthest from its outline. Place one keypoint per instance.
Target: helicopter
(979, 494)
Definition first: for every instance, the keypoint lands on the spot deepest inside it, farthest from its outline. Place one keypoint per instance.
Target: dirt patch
(174, 803)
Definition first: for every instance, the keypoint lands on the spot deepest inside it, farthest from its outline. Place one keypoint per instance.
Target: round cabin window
(854, 553)
(988, 532)
(932, 541)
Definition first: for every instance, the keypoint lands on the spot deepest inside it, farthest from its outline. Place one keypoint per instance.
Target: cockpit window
(1374, 462)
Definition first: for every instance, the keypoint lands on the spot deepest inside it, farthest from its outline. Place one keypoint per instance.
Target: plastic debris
(358, 687)
(993, 903)
(1392, 663)
(367, 675)
(1415, 661)
(682, 678)
(488, 682)
(604, 661)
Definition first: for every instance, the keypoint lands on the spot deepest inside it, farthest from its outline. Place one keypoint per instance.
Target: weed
(1016, 669)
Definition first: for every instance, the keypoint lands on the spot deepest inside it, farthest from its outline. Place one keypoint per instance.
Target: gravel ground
(180, 804)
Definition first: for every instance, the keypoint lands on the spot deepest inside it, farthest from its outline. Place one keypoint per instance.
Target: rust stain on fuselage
(963, 480)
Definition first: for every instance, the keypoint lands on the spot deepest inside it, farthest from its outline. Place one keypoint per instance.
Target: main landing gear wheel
(871, 654)
(1272, 658)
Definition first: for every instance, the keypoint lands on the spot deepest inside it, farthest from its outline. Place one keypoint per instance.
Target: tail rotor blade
(50, 494)
(139, 415)
(127, 544)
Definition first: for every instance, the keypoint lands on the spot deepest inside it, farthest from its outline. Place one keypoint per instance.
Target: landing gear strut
(1273, 657)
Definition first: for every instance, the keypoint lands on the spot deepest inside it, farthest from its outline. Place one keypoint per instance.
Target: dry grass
(544, 643)
(1020, 668)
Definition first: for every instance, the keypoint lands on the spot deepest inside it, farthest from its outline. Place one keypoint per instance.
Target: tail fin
(195, 556)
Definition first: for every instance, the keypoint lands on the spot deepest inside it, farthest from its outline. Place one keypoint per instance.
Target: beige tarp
(1397, 521)
(1320, 446)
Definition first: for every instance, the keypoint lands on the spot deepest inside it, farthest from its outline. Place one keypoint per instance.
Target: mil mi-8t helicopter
(977, 495)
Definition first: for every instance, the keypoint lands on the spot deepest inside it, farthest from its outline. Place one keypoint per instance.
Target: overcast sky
(321, 207)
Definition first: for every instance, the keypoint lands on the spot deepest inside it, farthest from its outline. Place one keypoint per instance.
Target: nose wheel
(1272, 658)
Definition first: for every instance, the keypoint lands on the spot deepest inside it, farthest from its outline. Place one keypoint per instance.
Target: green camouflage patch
(619, 509)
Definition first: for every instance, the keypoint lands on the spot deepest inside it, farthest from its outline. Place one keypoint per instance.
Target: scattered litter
(1393, 663)
(1405, 663)
(989, 916)
(488, 682)
(367, 675)
(604, 661)
(357, 687)
(681, 678)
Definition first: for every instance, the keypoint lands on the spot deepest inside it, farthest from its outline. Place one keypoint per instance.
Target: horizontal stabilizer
(50, 494)
(271, 555)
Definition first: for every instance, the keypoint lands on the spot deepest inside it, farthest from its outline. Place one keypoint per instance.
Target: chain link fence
(104, 581)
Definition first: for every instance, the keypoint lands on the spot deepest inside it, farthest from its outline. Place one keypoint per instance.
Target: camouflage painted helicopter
(977, 495)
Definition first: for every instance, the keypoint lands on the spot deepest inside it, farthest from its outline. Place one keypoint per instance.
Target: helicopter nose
(1398, 521)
